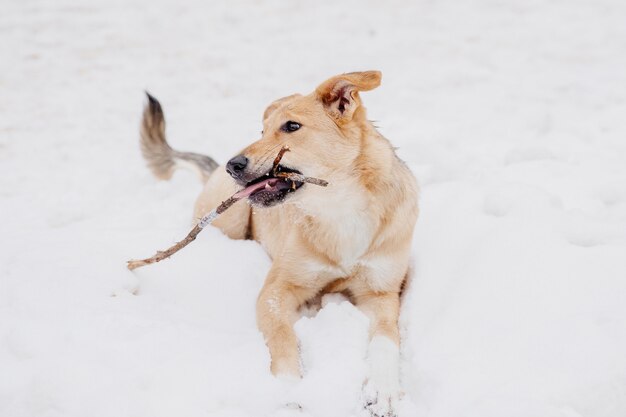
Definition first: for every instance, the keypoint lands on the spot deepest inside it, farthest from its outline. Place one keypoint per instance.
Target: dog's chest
(351, 238)
(344, 234)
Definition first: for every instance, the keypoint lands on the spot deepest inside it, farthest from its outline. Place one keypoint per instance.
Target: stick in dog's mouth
(279, 176)
(276, 180)
(273, 186)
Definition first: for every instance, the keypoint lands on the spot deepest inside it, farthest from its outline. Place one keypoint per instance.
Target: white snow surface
(511, 113)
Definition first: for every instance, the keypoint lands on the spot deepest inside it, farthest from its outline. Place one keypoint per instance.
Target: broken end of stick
(136, 263)
(316, 181)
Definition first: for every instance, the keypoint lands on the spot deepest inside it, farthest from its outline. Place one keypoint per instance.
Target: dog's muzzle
(236, 167)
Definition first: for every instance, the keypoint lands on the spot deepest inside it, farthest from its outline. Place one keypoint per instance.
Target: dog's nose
(236, 166)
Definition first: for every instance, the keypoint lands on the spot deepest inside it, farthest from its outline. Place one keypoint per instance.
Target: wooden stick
(292, 175)
(280, 155)
(205, 221)
(301, 178)
(208, 219)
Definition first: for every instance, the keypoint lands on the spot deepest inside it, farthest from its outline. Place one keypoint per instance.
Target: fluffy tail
(161, 158)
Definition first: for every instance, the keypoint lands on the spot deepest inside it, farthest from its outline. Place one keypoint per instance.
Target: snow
(510, 113)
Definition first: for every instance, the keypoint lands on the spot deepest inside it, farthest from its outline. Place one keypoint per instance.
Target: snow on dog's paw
(379, 402)
(286, 393)
(381, 390)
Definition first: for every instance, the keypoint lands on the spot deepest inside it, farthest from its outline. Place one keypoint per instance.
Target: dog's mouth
(270, 189)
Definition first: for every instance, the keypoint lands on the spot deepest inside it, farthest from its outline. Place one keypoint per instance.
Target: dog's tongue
(251, 189)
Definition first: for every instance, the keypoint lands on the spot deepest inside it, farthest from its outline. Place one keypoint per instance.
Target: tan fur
(353, 236)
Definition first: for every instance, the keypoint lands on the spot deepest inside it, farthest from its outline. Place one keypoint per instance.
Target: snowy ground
(512, 114)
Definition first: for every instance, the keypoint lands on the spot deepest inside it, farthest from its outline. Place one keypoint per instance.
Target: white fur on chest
(343, 225)
(353, 236)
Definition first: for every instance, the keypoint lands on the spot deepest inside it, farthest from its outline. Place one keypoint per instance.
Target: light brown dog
(352, 237)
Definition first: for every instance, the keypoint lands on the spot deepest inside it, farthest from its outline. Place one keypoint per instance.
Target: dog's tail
(161, 158)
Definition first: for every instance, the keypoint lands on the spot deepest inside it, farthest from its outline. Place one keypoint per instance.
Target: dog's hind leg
(161, 158)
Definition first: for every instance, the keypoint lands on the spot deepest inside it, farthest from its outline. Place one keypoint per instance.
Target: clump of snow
(510, 113)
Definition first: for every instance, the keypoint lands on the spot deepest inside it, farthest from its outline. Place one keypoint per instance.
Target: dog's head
(322, 130)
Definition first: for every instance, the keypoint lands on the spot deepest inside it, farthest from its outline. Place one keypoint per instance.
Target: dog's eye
(291, 126)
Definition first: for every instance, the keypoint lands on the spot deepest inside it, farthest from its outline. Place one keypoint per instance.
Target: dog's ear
(340, 94)
(276, 104)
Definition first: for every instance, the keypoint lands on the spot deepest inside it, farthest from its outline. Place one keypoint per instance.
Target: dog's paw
(379, 402)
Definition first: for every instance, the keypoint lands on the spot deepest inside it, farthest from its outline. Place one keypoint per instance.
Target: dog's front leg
(277, 310)
(382, 386)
